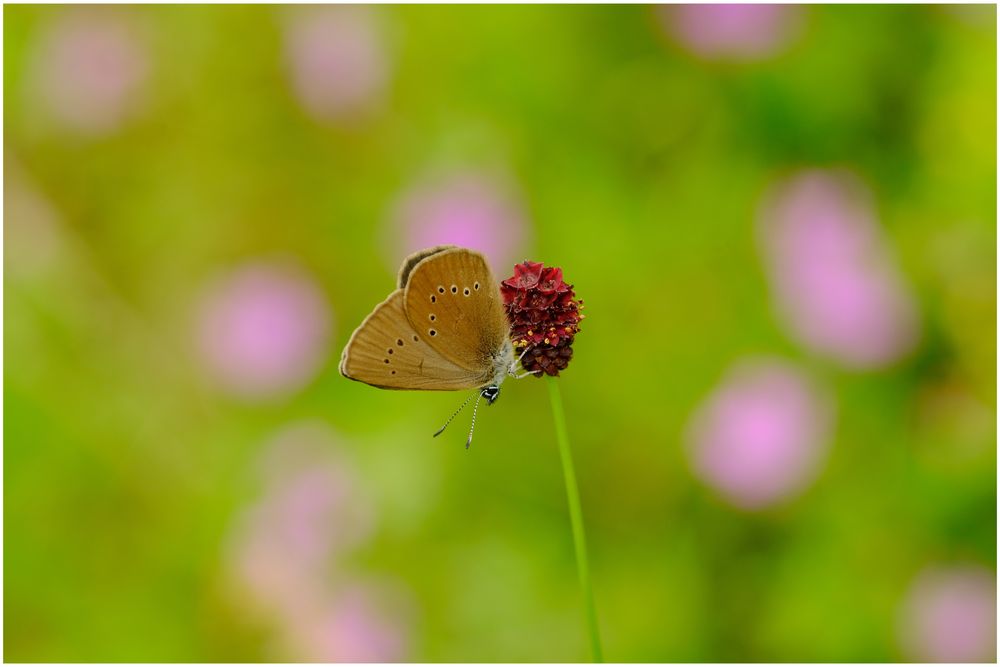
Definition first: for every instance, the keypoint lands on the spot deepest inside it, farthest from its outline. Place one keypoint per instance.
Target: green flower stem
(575, 517)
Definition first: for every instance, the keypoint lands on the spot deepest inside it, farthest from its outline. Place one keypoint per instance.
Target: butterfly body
(443, 328)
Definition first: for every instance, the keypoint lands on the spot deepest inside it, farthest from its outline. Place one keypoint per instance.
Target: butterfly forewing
(453, 302)
(386, 352)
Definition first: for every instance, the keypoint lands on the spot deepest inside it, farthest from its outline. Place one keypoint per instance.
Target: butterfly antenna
(441, 430)
(475, 409)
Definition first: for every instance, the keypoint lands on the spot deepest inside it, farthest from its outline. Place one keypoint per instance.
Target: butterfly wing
(454, 304)
(410, 262)
(386, 352)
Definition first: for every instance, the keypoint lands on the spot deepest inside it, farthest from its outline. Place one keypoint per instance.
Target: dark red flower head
(544, 315)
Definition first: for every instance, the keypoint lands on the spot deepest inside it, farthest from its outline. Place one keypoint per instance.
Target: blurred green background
(782, 403)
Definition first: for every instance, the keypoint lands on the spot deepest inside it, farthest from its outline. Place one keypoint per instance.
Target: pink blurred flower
(311, 510)
(732, 32)
(353, 626)
(89, 70)
(263, 330)
(950, 615)
(288, 539)
(835, 285)
(316, 492)
(284, 549)
(468, 210)
(338, 63)
(762, 435)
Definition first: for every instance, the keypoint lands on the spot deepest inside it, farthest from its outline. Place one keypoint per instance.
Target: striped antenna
(441, 430)
(474, 411)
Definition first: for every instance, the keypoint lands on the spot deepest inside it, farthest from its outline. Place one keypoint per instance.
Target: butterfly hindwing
(410, 262)
(386, 352)
(454, 304)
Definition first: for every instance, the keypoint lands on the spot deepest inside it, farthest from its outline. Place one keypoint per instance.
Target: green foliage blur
(639, 167)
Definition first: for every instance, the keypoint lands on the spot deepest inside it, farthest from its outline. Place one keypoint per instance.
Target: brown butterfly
(443, 328)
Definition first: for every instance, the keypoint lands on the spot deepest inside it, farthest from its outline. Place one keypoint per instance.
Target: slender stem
(575, 518)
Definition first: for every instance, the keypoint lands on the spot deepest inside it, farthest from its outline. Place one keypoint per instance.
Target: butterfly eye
(454, 289)
(466, 291)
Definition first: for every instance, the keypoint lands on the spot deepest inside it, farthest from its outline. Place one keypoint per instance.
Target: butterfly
(443, 328)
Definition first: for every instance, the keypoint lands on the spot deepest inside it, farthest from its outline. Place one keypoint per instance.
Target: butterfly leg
(526, 374)
(514, 364)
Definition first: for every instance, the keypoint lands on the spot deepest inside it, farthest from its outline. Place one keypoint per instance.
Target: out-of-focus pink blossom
(354, 626)
(284, 553)
(311, 509)
(835, 285)
(762, 435)
(732, 32)
(288, 539)
(89, 71)
(950, 615)
(338, 62)
(316, 492)
(469, 210)
(263, 330)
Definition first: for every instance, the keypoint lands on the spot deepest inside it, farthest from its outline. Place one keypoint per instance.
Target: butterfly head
(491, 393)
